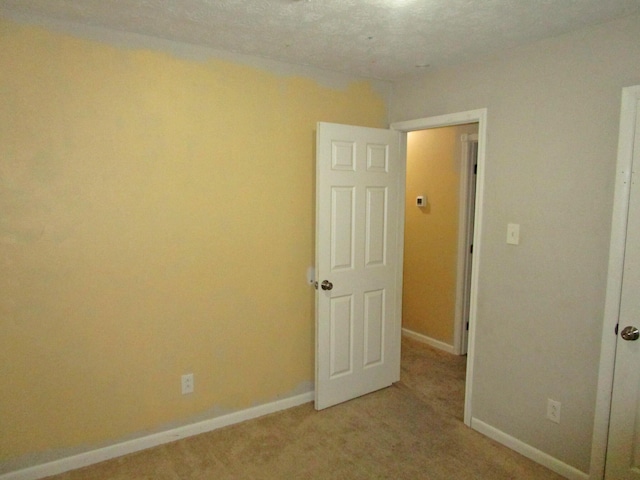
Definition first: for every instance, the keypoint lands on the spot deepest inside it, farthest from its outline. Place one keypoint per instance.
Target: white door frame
(630, 102)
(460, 118)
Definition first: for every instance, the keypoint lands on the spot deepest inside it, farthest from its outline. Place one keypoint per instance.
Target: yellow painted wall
(156, 218)
(431, 233)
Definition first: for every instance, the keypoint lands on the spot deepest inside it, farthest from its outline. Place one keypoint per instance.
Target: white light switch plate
(513, 234)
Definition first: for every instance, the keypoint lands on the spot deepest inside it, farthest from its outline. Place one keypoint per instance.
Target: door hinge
(616, 329)
(471, 248)
(475, 169)
(467, 326)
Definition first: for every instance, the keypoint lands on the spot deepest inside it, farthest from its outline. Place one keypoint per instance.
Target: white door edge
(630, 100)
(466, 205)
(471, 116)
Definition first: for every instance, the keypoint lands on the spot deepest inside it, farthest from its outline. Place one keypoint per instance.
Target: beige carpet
(412, 430)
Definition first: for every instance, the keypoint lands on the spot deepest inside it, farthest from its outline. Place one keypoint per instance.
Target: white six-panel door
(357, 340)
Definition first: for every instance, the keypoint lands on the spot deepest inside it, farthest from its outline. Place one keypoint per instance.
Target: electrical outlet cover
(553, 410)
(187, 383)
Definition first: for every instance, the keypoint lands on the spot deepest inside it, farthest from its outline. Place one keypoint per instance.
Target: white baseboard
(528, 451)
(428, 340)
(101, 454)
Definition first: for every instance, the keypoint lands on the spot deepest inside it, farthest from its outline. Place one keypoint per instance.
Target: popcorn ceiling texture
(383, 39)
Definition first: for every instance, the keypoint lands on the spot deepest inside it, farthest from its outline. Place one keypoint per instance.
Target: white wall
(553, 114)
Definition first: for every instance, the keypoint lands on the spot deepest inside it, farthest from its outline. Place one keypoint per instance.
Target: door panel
(341, 336)
(374, 320)
(376, 234)
(357, 184)
(342, 227)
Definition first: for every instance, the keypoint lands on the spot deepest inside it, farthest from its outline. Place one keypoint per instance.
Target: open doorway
(438, 237)
(478, 117)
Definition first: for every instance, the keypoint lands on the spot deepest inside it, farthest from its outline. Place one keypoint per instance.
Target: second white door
(623, 450)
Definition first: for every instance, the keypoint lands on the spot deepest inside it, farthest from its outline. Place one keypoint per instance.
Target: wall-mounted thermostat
(421, 201)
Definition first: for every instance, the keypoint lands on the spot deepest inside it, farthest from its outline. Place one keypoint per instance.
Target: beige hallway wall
(431, 232)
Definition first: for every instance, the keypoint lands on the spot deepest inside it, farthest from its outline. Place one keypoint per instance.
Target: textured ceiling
(384, 39)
